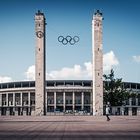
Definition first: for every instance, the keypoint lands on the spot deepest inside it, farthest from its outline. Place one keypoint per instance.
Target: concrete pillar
(24, 111)
(130, 111)
(21, 99)
(91, 102)
(29, 110)
(46, 101)
(0, 100)
(16, 112)
(7, 99)
(82, 99)
(13, 110)
(97, 62)
(138, 111)
(21, 109)
(0, 111)
(73, 101)
(40, 65)
(7, 111)
(54, 101)
(64, 102)
(0, 103)
(29, 99)
(114, 111)
(29, 103)
(122, 110)
(13, 99)
(14, 103)
(130, 101)
(136, 101)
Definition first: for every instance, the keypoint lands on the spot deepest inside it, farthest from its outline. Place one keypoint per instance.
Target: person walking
(107, 112)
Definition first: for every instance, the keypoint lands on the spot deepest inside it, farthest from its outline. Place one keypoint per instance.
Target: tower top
(40, 16)
(39, 13)
(98, 13)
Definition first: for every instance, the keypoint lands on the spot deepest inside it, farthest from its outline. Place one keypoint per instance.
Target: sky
(121, 38)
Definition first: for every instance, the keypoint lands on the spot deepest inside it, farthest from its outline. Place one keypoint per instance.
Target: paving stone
(69, 128)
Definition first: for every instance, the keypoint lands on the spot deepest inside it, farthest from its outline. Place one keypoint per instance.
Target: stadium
(69, 97)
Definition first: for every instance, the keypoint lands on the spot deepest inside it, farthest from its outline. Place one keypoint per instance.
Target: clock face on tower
(39, 34)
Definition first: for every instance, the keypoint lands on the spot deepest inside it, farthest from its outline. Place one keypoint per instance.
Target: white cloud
(77, 71)
(4, 79)
(136, 58)
(109, 61)
(88, 66)
(30, 73)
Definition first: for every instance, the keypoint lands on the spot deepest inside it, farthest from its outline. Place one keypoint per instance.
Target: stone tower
(40, 69)
(97, 63)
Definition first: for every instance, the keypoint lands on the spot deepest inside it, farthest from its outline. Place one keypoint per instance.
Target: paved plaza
(69, 128)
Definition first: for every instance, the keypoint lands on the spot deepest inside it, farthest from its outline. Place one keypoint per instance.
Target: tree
(114, 91)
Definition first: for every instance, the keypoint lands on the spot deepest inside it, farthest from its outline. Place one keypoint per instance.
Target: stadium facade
(62, 97)
(78, 97)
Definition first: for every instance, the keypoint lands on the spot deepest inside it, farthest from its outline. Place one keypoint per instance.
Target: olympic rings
(68, 39)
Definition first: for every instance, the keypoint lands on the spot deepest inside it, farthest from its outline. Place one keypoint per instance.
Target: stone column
(16, 112)
(64, 101)
(7, 104)
(130, 111)
(6, 99)
(21, 103)
(46, 102)
(21, 99)
(91, 102)
(122, 110)
(24, 111)
(54, 101)
(29, 103)
(136, 101)
(0, 100)
(82, 99)
(73, 101)
(114, 110)
(13, 103)
(0, 103)
(130, 101)
(7, 111)
(97, 62)
(40, 63)
(29, 99)
(14, 99)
